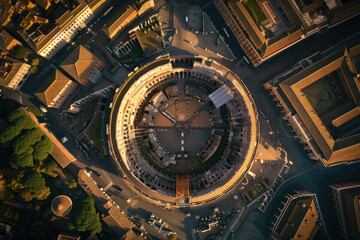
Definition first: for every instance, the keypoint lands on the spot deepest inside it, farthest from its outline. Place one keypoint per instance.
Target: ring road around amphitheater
(183, 130)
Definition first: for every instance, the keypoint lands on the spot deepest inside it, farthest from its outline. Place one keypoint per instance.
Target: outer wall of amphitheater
(124, 134)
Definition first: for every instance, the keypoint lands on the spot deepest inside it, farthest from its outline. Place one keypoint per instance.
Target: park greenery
(34, 65)
(255, 11)
(28, 149)
(150, 34)
(85, 218)
(94, 131)
(72, 184)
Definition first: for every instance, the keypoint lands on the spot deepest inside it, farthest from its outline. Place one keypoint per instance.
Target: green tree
(35, 62)
(85, 217)
(24, 122)
(25, 141)
(16, 114)
(23, 160)
(34, 182)
(41, 195)
(72, 184)
(42, 148)
(50, 165)
(9, 133)
(34, 69)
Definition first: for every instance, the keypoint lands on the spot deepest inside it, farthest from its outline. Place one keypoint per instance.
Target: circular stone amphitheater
(183, 130)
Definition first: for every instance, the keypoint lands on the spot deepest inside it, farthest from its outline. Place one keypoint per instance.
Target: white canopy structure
(221, 96)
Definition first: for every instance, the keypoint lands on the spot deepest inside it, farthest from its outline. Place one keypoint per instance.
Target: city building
(132, 235)
(96, 5)
(320, 101)
(145, 5)
(124, 16)
(67, 237)
(45, 4)
(55, 90)
(47, 37)
(61, 155)
(7, 11)
(117, 221)
(300, 218)
(83, 66)
(347, 199)
(12, 74)
(265, 28)
(7, 41)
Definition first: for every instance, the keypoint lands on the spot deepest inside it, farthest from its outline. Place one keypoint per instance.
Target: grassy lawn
(151, 38)
(255, 11)
(321, 96)
(94, 132)
(153, 34)
(136, 52)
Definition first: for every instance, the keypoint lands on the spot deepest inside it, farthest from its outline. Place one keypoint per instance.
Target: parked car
(43, 109)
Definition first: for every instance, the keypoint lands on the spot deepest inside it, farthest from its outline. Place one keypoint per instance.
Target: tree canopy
(34, 182)
(23, 160)
(24, 122)
(26, 140)
(9, 133)
(42, 148)
(16, 114)
(50, 165)
(30, 147)
(41, 195)
(18, 121)
(85, 217)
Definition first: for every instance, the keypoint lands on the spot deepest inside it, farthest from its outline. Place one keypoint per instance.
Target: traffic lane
(92, 158)
(317, 181)
(219, 23)
(137, 203)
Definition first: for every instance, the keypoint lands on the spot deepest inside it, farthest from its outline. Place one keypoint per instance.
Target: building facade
(83, 66)
(265, 28)
(12, 74)
(320, 101)
(300, 218)
(347, 199)
(55, 90)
